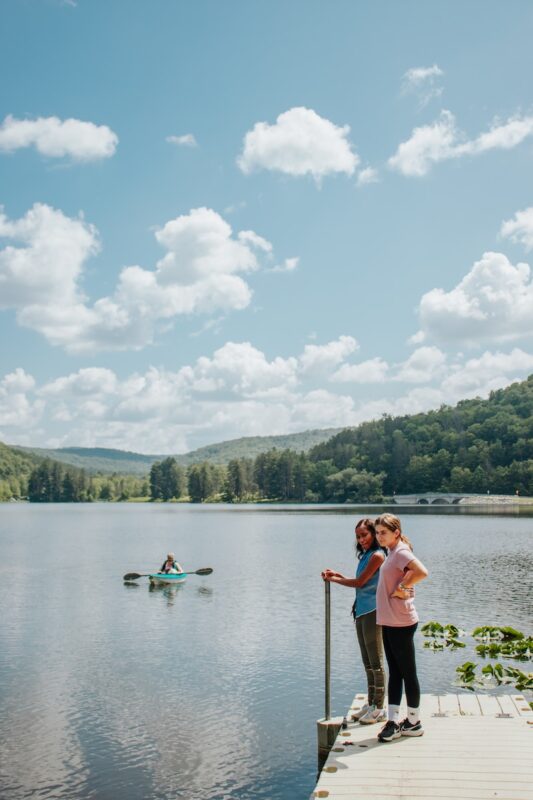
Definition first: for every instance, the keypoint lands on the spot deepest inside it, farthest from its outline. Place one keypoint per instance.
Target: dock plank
(469, 704)
(470, 751)
(489, 705)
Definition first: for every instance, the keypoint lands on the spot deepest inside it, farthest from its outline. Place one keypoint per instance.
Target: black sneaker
(411, 728)
(389, 732)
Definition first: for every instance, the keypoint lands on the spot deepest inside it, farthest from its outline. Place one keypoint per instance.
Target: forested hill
(252, 446)
(15, 469)
(475, 446)
(108, 461)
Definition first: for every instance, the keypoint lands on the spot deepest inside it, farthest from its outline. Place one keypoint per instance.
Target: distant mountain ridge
(107, 460)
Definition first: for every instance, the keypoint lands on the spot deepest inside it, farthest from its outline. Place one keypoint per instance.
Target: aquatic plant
(441, 636)
(496, 641)
(495, 633)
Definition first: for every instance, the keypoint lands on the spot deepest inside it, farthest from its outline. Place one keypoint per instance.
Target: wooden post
(327, 728)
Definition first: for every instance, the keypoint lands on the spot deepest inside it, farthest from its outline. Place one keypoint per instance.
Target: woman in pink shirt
(397, 615)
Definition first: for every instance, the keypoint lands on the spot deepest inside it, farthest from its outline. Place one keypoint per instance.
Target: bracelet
(404, 588)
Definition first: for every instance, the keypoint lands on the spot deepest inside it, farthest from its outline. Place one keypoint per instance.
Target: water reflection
(209, 689)
(170, 592)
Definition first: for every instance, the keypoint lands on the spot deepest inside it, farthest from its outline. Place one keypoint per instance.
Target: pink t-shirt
(394, 611)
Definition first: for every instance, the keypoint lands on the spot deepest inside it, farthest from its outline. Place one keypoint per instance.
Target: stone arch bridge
(430, 498)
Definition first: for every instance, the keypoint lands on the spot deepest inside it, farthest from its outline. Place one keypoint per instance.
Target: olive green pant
(371, 645)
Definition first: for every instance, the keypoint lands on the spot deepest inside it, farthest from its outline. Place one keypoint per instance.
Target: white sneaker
(373, 715)
(361, 713)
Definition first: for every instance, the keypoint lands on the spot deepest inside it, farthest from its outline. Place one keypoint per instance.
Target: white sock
(413, 715)
(394, 713)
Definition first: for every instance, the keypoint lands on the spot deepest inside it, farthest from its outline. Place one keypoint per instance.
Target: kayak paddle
(132, 576)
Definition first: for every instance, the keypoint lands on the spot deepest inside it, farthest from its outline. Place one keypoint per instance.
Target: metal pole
(327, 587)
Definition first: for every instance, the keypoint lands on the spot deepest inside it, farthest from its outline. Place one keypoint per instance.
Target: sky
(255, 217)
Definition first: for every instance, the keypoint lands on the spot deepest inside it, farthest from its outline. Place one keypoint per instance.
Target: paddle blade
(131, 576)
(204, 571)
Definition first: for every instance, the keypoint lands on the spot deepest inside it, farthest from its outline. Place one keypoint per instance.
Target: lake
(209, 690)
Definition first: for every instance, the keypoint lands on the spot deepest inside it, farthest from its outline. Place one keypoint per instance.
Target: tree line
(52, 482)
(478, 446)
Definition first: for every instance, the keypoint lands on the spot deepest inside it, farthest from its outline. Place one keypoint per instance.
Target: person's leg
(402, 642)
(394, 687)
(360, 629)
(372, 636)
(374, 647)
(391, 729)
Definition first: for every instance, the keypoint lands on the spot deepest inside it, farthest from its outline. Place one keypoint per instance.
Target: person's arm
(373, 565)
(415, 572)
(178, 566)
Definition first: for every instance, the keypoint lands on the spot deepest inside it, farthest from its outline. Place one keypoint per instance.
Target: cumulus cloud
(372, 371)
(200, 273)
(289, 265)
(238, 391)
(17, 407)
(442, 140)
(47, 265)
(422, 366)
(486, 373)
(423, 81)
(299, 143)
(56, 138)
(494, 301)
(187, 140)
(520, 228)
(317, 357)
(367, 175)
(241, 369)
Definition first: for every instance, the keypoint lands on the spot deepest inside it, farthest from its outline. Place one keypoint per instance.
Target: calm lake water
(211, 689)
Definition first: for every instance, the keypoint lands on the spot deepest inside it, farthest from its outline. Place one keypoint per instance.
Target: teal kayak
(158, 578)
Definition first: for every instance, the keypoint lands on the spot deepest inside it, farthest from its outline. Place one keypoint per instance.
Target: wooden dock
(475, 747)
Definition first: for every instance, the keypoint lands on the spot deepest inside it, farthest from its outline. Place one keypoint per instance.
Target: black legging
(400, 654)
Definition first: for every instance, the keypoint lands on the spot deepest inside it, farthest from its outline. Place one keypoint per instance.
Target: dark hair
(369, 525)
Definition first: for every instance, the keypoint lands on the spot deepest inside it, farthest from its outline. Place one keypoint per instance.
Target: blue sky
(244, 218)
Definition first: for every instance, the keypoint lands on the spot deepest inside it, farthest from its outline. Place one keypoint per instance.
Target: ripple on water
(209, 690)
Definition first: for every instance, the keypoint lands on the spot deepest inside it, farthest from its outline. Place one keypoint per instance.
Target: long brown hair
(393, 524)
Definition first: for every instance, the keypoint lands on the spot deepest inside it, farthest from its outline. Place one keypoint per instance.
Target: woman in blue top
(371, 557)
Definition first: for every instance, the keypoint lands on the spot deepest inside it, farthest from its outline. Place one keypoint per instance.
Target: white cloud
(239, 368)
(88, 381)
(289, 265)
(488, 372)
(494, 301)
(187, 140)
(372, 371)
(520, 228)
(422, 81)
(56, 138)
(17, 408)
(427, 145)
(299, 143)
(367, 175)
(46, 267)
(249, 237)
(442, 140)
(198, 274)
(235, 391)
(317, 358)
(415, 401)
(422, 366)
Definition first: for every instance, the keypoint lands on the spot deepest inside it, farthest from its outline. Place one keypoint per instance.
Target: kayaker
(171, 565)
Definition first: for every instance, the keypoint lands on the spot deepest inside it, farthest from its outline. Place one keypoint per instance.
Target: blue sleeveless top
(365, 596)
